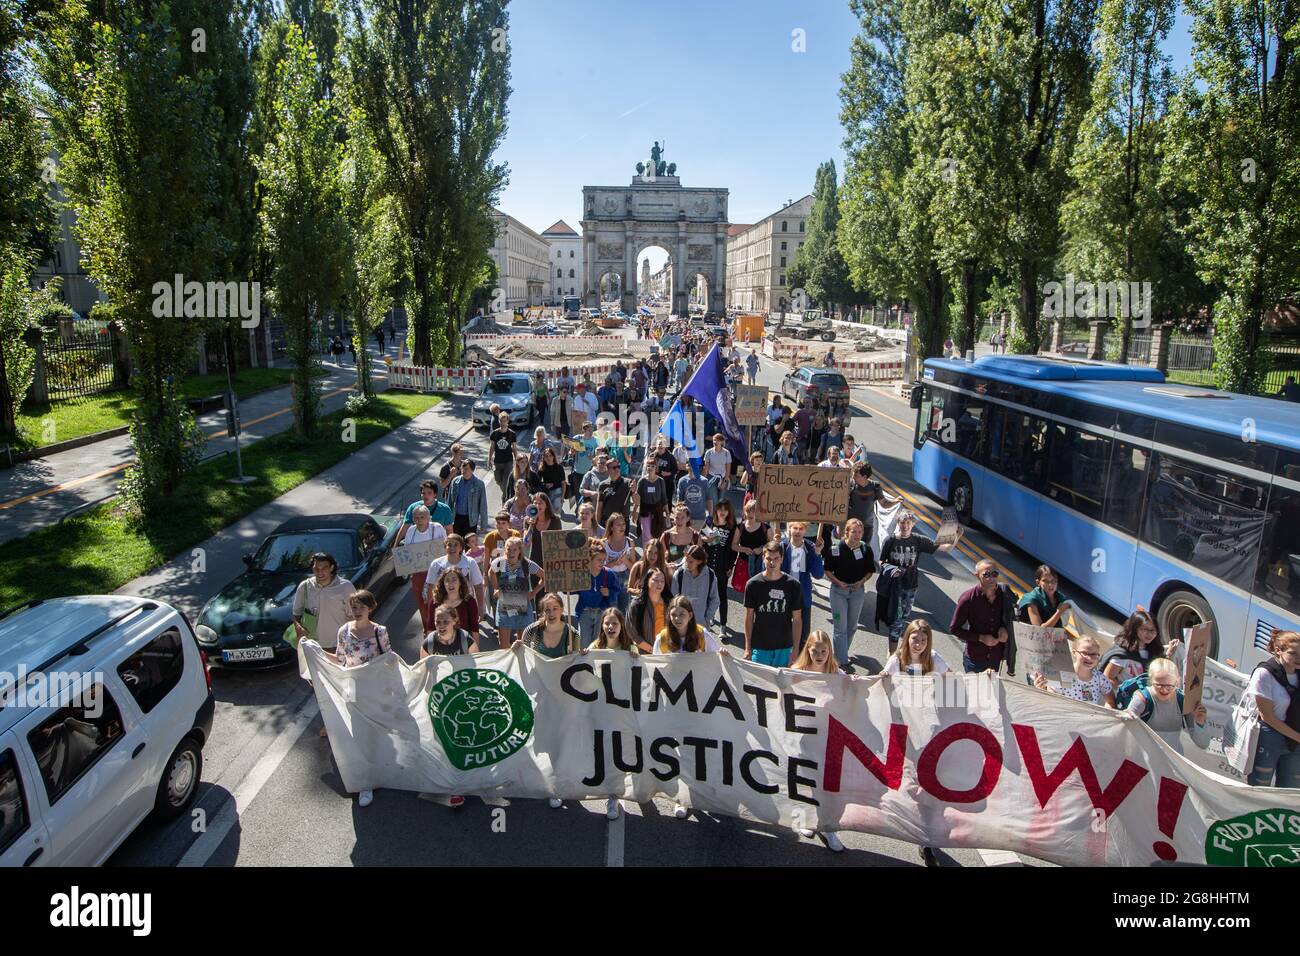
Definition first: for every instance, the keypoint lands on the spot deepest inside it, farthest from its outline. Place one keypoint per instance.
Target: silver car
(513, 391)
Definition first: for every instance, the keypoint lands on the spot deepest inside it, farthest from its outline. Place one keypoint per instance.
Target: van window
(74, 738)
(151, 672)
(13, 807)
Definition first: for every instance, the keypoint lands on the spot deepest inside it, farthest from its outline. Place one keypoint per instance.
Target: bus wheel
(961, 496)
(1184, 609)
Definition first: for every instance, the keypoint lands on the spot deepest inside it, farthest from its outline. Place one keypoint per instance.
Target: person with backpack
(802, 560)
(697, 581)
(1090, 685)
(602, 595)
(1272, 693)
(1136, 646)
(1157, 700)
(982, 621)
(903, 550)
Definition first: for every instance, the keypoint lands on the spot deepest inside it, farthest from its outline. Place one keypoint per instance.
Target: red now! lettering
(927, 767)
(1128, 776)
(839, 739)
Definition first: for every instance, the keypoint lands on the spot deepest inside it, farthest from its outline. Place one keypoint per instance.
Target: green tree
(1233, 123)
(431, 78)
(1117, 214)
(134, 118)
(303, 219)
(819, 264)
(886, 232)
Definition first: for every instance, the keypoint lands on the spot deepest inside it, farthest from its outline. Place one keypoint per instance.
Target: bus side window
(1126, 487)
(1278, 576)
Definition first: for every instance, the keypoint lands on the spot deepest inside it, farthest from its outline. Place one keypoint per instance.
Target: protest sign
(566, 560)
(577, 418)
(949, 760)
(751, 404)
(949, 528)
(1042, 649)
(412, 558)
(803, 493)
(1198, 650)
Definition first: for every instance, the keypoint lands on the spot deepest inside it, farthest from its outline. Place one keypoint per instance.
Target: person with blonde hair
(614, 636)
(1090, 684)
(1272, 692)
(817, 655)
(512, 577)
(916, 654)
(1159, 704)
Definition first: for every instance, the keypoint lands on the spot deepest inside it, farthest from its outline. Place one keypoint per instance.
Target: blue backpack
(1138, 685)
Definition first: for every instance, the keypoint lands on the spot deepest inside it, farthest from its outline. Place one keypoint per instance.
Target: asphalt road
(271, 794)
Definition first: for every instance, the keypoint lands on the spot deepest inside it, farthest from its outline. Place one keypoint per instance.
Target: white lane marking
(614, 839)
(202, 849)
(999, 858)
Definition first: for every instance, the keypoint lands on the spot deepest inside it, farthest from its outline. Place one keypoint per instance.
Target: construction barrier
(567, 345)
(855, 370)
(471, 379)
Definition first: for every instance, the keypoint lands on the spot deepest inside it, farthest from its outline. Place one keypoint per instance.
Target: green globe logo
(480, 716)
(1263, 838)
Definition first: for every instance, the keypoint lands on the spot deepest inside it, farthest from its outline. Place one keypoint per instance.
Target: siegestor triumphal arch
(619, 222)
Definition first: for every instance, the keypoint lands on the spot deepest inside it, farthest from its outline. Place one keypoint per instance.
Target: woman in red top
(453, 591)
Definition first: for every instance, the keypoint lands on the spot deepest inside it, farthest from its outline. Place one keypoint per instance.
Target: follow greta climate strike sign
(951, 761)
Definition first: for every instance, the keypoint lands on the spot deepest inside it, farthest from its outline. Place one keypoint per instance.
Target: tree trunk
(1029, 307)
(968, 305)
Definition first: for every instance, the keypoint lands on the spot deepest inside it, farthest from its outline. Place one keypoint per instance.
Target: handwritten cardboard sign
(1042, 649)
(803, 493)
(1198, 649)
(566, 559)
(577, 418)
(412, 558)
(949, 528)
(751, 404)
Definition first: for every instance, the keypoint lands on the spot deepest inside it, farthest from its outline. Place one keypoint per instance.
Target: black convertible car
(245, 623)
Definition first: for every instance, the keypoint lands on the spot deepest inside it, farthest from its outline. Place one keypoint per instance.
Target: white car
(106, 727)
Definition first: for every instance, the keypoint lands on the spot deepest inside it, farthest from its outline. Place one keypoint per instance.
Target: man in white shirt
(584, 401)
(327, 597)
(458, 559)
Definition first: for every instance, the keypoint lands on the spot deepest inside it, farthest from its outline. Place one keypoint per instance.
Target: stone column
(629, 278)
(1097, 338)
(1161, 338)
(1058, 333)
(39, 391)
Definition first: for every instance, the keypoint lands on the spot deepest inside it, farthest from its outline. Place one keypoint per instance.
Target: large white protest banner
(950, 760)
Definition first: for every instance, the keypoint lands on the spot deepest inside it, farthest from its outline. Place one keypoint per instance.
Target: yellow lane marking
(74, 482)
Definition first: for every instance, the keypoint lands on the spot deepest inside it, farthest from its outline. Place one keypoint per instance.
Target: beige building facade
(523, 259)
(760, 256)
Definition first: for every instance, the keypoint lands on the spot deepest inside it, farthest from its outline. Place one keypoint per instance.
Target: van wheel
(828, 336)
(1184, 609)
(961, 496)
(180, 780)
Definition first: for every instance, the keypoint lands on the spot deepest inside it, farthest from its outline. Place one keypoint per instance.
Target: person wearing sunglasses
(982, 621)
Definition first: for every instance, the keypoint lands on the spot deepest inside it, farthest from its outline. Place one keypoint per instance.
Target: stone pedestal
(1058, 334)
(1097, 339)
(1161, 337)
(39, 391)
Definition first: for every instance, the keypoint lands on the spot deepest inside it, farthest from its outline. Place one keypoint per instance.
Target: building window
(783, 262)
(783, 245)
(782, 282)
(570, 273)
(559, 273)
(570, 253)
(785, 226)
(801, 227)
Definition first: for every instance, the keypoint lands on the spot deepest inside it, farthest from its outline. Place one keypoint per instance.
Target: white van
(105, 705)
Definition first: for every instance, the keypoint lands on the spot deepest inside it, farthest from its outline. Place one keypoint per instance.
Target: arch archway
(698, 291)
(652, 280)
(610, 288)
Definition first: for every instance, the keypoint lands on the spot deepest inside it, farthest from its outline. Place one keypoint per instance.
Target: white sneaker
(365, 798)
(833, 843)
(807, 834)
(611, 808)
(555, 803)
(680, 812)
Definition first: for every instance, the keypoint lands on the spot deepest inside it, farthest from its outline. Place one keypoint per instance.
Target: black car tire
(828, 336)
(180, 780)
(961, 496)
(1176, 611)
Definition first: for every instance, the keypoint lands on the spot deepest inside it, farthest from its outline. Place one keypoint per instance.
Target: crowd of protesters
(674, 533)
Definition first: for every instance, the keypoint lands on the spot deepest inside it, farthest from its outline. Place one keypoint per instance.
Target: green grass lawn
(40, 425)
(103, 548)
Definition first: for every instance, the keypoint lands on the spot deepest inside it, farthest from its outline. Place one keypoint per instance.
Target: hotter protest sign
(1042, 649)
(803, 493)
(751, 404)
(577, 418)
(1198, 650)
(412, 558)
(949, 760)
(566, 559)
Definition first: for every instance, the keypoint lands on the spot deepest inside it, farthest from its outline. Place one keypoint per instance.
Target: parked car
(513, 391)
(823, 386)
(106, 729)
(244, 624)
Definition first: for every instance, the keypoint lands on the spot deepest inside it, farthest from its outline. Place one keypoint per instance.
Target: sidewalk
(36, 494)
(389, 468)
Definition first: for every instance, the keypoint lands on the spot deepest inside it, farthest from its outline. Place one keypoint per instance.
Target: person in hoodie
(802, 560)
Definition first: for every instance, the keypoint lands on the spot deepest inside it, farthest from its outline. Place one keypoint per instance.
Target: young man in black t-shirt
(903, 550)
(613, 493)
(503, 442)
(773, 612)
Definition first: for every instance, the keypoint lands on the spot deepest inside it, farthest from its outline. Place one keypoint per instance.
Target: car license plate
(248, 654)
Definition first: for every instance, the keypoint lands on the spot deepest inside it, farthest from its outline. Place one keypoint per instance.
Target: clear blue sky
(597, 81)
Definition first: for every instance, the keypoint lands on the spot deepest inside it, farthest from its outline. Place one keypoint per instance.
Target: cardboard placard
(1042, 649)
(804, 493)
(751, 404)
(413, 558)
(1198, 649)
(566, 560)
(949, 528)
(577, 418)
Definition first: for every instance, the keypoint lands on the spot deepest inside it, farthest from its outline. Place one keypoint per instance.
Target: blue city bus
(572, 305)
(1181, 500)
